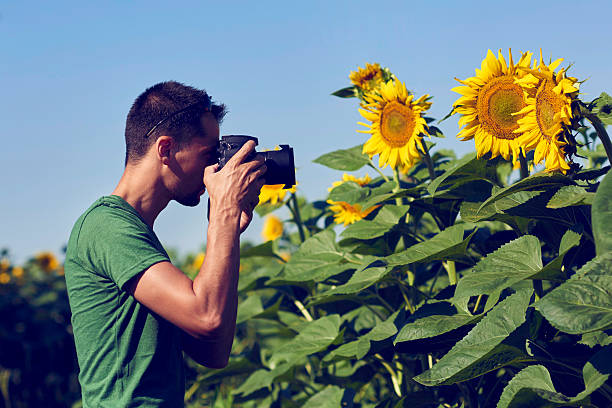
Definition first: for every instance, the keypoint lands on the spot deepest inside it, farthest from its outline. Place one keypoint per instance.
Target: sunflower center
(547, 104)
(397, 124)
(496, 103)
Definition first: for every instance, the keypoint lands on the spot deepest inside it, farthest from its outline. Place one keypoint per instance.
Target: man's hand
(237, 185)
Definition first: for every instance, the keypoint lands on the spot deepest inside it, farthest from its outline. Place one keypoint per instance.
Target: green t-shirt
(128, 356)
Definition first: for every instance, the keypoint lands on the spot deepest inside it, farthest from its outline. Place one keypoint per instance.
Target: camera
(281, 169)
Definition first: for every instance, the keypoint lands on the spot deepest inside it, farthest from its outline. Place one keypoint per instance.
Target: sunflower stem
(428, 161)
(297, 217)
(371, 164)
(396, 177)
(524, 168)
(599, 129)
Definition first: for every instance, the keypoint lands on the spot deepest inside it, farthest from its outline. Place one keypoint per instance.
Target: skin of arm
(205, 308)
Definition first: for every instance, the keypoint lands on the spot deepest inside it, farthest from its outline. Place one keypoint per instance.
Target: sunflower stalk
(371, 164)
(428, 162)
(295, 211)
(524, 167)
(396, 178)
(599, 129)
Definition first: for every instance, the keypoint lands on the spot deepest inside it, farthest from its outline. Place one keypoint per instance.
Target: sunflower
(4, 264)
(17, 272)
(4, 278)
(272, 229)
(549, 98)
(345, 213)
(368, 78)
(274, 193)
(397, 124)
(349, 177)
(489, 103)
(47, 261)
(198, 261)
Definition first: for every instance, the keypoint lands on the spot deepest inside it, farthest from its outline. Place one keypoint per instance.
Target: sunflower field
(430, 281)
(437, 281)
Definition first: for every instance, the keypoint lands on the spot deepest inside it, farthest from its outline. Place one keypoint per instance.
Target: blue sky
(69, 72)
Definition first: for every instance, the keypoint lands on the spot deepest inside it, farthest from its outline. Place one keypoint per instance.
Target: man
(133, 312)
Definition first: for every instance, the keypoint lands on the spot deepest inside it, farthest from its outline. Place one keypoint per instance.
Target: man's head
(163, 101)
(178, 126)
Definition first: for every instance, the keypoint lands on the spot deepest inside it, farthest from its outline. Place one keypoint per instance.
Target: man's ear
(163, 147)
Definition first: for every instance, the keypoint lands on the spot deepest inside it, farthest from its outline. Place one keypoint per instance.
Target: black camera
(281, 169)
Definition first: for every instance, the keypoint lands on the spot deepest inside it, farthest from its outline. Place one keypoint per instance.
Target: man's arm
(205, 308)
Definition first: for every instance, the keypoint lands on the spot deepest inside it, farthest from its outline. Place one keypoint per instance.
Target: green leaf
(596, 372)
(583, 303)
(513, 262)
(348, 92)
(349, 192)
(317, 259)
(533, 386)
(434, 131)
(265, 249)
(329, 397)
(252, 307)
(570, 195)
(313, 337)
(601, 215)
(348, 160)
(386, 219)
(596, 338)
(552, 270)
(261, 379)
(448, 244)
(466, 163)
(485, 347)
(360, 347)
(364, 277)
(538, 181)
(603, 108)
(521, 390)
(432, 326)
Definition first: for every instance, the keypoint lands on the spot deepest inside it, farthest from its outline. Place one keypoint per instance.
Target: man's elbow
(209, 327)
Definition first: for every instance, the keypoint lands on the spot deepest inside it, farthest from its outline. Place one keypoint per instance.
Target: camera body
(280, 163)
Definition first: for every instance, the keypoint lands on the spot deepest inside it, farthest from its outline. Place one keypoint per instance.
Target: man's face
(199, 153)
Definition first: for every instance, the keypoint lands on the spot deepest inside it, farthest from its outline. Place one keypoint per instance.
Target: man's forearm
(216, 285)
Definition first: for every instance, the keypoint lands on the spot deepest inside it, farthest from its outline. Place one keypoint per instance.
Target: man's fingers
(241, 154)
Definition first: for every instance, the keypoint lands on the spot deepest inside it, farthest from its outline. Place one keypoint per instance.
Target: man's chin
(191, 201)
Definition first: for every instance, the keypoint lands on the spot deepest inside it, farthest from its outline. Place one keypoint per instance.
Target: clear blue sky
(69, 72)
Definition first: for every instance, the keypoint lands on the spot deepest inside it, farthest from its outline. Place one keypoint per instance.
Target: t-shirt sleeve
(116, 245)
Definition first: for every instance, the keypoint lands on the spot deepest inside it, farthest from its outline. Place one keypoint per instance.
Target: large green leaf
(466, 163)
(317, 258)
(349, 192)
(448, 244)
(314, 337)
(364, 277)
(601, 215)
(329, 397)
(533, 386)
(538, 181)
(346, 159)
(486, 347)
(360, 347)
(513, 262)
(553, 269)
(261, 379)
(432, 326)
(386, 219)
(583, 303)
(596, 372)
(524, 389)
(252, 307)
(570, 195)
(265, 249)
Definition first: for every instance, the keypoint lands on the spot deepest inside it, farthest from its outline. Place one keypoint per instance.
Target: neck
(145, 193)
